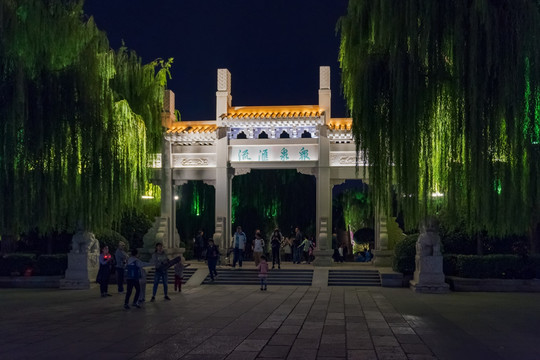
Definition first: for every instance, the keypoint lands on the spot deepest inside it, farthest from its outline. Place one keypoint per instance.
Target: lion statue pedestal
(83, 262)
(429, 276)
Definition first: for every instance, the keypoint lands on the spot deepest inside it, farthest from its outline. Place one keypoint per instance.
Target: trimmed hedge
(450, 264)
(497, 266)
(51, 264)
(16, 263)
(43, 265)
(404, 253)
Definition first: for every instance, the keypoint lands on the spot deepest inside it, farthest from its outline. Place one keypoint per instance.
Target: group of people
(340, 254)
(131, 268)
(294, 248)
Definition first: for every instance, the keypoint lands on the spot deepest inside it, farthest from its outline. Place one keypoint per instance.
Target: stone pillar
(325, 94)
(223, 191)
(168, 116)
(323, 253)
(223, 94)
(166, 189)
(381, 255)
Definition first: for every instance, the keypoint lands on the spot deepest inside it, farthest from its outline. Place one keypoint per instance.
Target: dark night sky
(273, 48)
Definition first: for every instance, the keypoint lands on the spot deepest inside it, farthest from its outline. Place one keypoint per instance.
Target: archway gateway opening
(268, 199)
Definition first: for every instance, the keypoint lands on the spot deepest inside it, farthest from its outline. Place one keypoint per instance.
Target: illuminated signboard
(274, 153)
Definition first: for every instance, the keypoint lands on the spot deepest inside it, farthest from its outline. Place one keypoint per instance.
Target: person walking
(275, 242)
(239, 245)
(121, 259)
(104, 272)
(258, 248)
(159, 260)
(298, 238)
(134, 273)
(304, 247)
(212, 256)
(263, 272)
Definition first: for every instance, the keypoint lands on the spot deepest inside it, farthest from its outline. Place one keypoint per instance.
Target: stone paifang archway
(241, 138)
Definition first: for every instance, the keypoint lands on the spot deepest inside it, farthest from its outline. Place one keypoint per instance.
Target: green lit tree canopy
(445, 100)
(77, 119)
(266, 199)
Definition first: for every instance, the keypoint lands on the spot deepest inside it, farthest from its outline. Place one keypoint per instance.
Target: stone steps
(250, 277)
(354, 278)
(188, 272)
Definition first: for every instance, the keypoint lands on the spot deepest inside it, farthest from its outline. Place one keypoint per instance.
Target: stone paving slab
(285, 322)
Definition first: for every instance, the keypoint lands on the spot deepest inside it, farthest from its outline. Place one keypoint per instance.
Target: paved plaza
(285, 322)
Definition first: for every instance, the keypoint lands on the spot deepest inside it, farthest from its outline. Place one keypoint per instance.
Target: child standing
(179, 275)
(305, 245)
(263, 272)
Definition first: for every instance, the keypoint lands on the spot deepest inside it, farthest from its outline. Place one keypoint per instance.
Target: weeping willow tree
(445, 101)
(77, 119)
(357, 208)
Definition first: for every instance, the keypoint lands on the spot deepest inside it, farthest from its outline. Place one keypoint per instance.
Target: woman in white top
(258, 248)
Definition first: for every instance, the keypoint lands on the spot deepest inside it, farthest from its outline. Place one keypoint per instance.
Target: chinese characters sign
(276, 153)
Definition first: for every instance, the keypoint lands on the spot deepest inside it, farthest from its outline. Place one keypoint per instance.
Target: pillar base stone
(428, 276)
(81, 272)
(382, 258)
(426, 288)
(323, 258)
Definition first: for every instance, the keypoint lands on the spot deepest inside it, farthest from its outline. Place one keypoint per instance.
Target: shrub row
(43, 265)
(497, 266)
(404, 253)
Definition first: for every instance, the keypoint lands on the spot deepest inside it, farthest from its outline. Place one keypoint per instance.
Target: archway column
(382, 257)
(223, 187)
(167, 208)
(323, 253)
(171, 240)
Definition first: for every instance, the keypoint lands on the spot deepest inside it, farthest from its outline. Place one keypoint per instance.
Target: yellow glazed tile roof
(273, 112)
(340, 124)
(192, 127)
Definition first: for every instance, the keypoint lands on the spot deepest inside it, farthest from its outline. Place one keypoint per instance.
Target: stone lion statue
(84, 242)
(429, 241)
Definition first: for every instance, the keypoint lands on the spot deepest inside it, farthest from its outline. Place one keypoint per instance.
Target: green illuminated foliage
(77, 119)
(445, 99)
(357, 208)
(266, 199)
